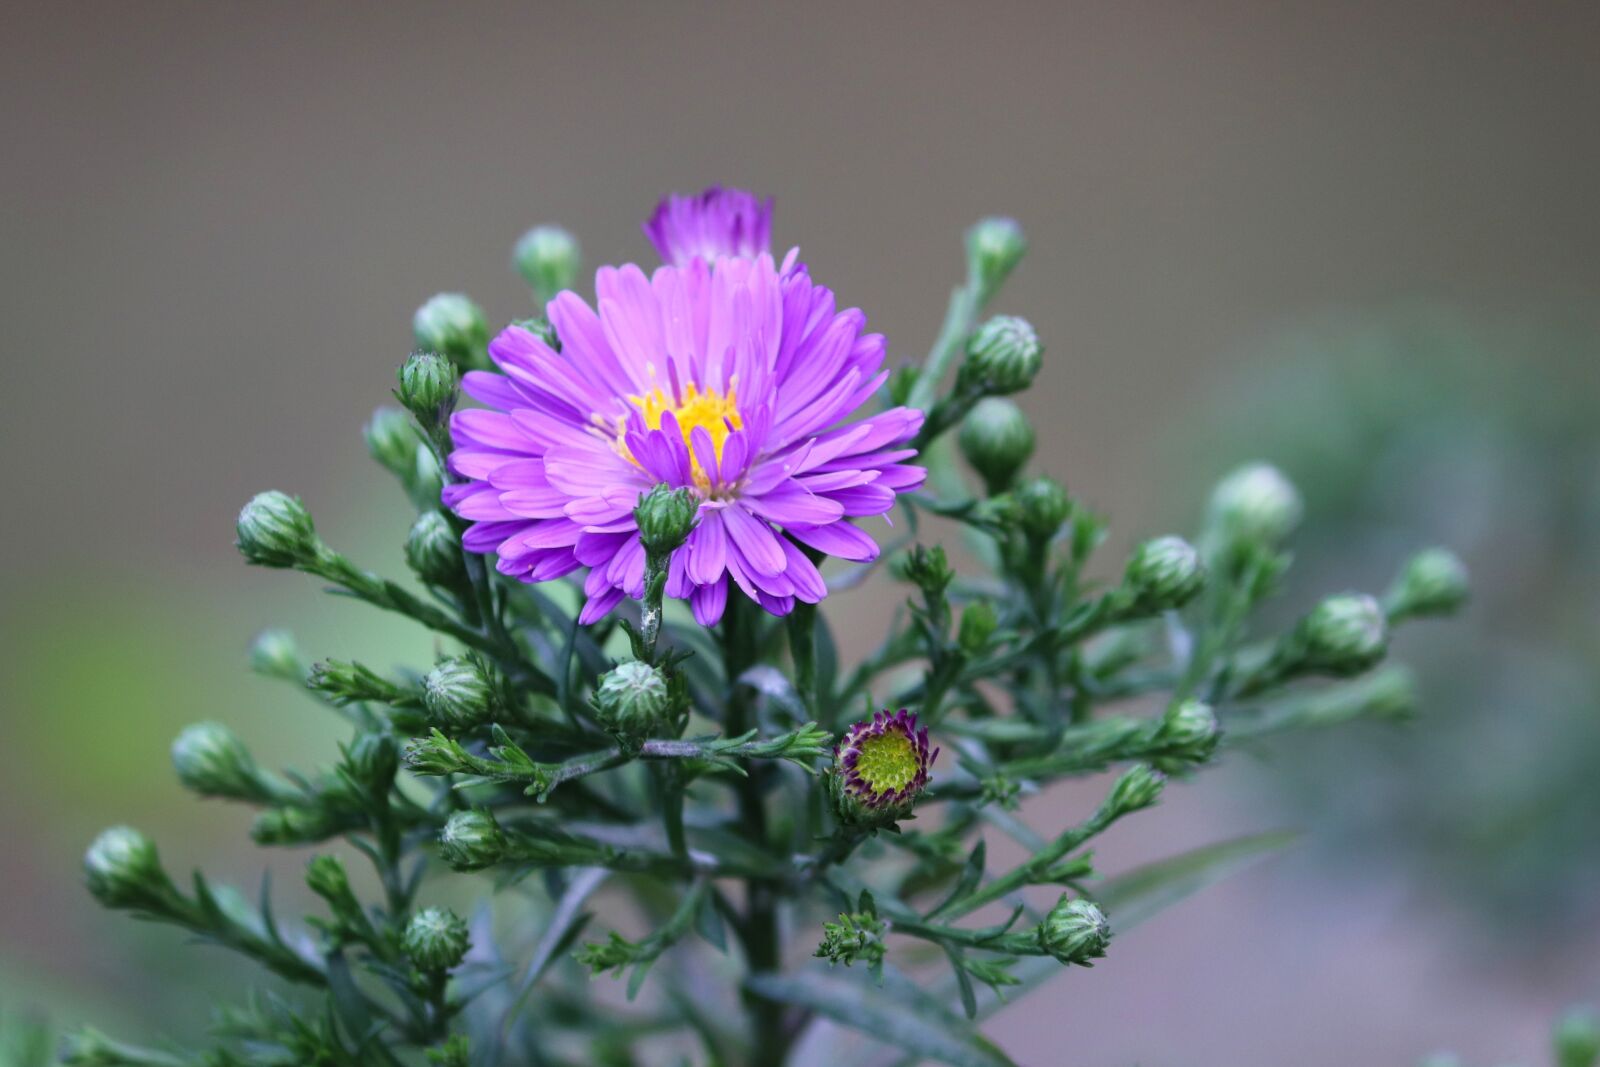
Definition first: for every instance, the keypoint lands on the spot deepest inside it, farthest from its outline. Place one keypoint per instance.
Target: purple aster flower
(882, 765)
(716, 224)
(734, 382)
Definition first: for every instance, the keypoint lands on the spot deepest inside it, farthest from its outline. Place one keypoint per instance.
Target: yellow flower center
(717, 413)
(887, 762)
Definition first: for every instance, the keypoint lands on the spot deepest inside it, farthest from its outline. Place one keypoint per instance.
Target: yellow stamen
(710, 409)
(887, 762)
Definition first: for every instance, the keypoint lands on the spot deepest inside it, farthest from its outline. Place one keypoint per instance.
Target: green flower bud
(1343, 635)
(1003, 356)
(393, 442)
(428, 387)
(432, 550)
(978, 623)
(471, 841)
(547, 257)
(294, 826)
(997, 439)
(631, 699)
(994, 247)
(665, 517)
(460, 692)
(212, 761)
(326, 878)
(1042, 505)
(1189, 730)
(1255, 504)
(1164, 573)
(1075, 931)
(540, 328)
(274, 654)
(927, 568)
(372, 760)
(453, 325)
(1139, 787)
(123, 871)
(1577, 1039)
(275, 530)
(435, 939)
(1434, 582)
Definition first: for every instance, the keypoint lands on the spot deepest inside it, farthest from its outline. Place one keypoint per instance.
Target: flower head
(732, 382)
(713, 225)
(883, 764)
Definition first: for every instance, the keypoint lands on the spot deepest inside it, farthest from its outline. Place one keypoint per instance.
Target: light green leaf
(1131, 898)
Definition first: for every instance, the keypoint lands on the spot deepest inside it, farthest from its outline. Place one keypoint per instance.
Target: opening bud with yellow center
(880, 768)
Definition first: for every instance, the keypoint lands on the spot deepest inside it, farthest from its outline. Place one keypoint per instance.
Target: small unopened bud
(372, 760)
(1003, 356)
(294, 826)
(460, 692)
(452, 325)
(1255, 504)
(1343, 635)
(1138, 788)
(978, 623)
(1577, 1039)
(1434, 582)
(432, 550)
(994, 247)
(665, 517)
(435, 939)
(631, 699)
(1042, 505)
(392, 441)
(547, 257)
(123, 870)
(1075, 931)
(212, 761)
(1164, 573)
(326, 878)
(471, 841)
(1189, 730)
(997, 439)
(275, 530)
(274, 654)
(428, 386)
(927, 568)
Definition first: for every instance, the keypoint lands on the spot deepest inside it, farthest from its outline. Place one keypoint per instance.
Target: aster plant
(645, 749)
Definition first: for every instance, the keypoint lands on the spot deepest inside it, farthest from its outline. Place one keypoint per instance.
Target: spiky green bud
(631, 699)
(1164, 573)
(547, 257)
(996, 438)
(453, 326)
(433, 551)
(275, 530)
(665, 517)
(471, 841)
(926, 567)
(1139, 787)
(372, 761)
(1075, 931)
(1003, 356)
(325, 876)
(460, 692)
(429, 385)
(435, 939)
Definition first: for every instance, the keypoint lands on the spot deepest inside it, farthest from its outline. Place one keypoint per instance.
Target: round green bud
(1042, 505)
(1139, 787)
(1190, 729)
(1075, 931)
(212, 761)
(428, 386)
(1343, 635)
(372, 760)
(1165, 573)
(665, 517)
(454, 326)
(1577, 1039)
(275, 654)
(1434, 582)
(547, 257)
(1255, 504)
(432, 550)
(1003, 356)
(459, 692)
(631, 699)
(994, 247)
(978, 623)
(123, 870)
(435, 939)
(472, 840)
(275, 530)
(392, 441)
(996, 439)
(326, 878)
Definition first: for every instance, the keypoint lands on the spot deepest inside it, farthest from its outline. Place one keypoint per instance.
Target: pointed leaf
(1133, 897)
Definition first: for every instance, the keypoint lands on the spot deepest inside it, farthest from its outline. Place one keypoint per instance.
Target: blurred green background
(1359, 240)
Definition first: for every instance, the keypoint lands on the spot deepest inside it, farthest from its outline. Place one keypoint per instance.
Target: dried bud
(212, 761)
(275, 530)
(1075, 931)
(1343, 635)
(460, 692)
(997, 439)
(547, 257)
(471, 841)
(665, 517)
(453, 326)
(1255, 504)
(124, 870)
(978, 623)
(880, 768)
(1139, 787)
(1003, 356)
(393, 442)
(1164, 573)
(1577, 1039)
(1042, 505)
(432, 550)
(631, 699)
(994, 247)
(435, 939)
(428, 387)
(1434, 582)
(274, 654)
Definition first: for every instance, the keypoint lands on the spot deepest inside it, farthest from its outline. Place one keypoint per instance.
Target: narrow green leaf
(1131, 898)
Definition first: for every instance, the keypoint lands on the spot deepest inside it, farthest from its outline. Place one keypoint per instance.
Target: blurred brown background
(218, 218)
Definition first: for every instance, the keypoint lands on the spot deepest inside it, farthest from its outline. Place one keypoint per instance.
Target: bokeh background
(1362, 240)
